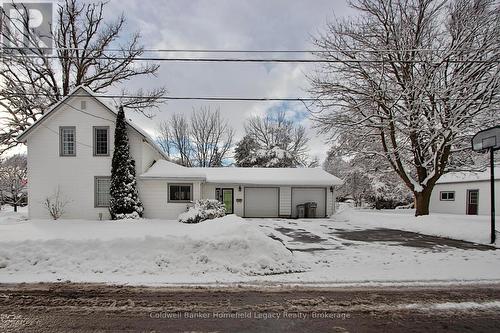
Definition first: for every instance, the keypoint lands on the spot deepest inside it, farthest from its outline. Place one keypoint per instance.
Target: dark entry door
(226, 196)
(472, 202)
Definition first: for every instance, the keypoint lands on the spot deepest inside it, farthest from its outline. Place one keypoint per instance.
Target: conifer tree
(124, 202)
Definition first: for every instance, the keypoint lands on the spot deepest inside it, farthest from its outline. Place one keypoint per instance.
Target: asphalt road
(100, 308)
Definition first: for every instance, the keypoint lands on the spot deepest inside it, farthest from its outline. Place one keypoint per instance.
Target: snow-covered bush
(130, 216)
(204, 209)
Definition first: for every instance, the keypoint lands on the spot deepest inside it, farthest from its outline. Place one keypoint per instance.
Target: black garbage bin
(301, 211)
(311, 209)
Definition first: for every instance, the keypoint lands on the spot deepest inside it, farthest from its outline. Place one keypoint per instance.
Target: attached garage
(310, 194)
(261, 202)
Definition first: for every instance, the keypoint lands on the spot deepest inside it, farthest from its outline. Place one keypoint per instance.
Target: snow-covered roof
(252, 176)
(23, 136)
(468, 176)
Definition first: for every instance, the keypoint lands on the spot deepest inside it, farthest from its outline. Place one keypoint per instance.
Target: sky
(229, 24)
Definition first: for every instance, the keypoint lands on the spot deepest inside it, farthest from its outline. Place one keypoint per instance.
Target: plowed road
(90, 307)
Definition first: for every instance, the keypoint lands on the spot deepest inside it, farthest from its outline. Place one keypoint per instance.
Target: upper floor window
(447, 196)
(67, 141)
(101, 141)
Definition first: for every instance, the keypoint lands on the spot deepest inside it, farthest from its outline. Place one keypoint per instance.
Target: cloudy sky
(229, 24)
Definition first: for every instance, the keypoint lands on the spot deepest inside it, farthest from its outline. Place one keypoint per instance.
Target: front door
(472, 202)
(226, 196)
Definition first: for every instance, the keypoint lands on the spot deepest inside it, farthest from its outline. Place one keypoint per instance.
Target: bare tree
(411, 81)
(13, 180)
(164, 138)
(204, 140)
(56, 204)
(32, 80)
(179, 128)
(212, 137)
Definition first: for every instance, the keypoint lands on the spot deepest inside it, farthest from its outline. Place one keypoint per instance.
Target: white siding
(154, 198)
(74, 175)
(285, 201)
(458, 206)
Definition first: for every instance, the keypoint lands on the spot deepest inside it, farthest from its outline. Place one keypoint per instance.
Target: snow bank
(161, 251)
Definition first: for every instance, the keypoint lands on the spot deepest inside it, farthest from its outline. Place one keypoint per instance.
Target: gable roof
(468, 176)
(23, 136)
(252, 176)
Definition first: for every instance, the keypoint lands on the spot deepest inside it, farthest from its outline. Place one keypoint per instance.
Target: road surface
(90, 307)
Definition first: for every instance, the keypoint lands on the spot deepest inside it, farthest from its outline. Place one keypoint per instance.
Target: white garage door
(261, 201)
(303, 195)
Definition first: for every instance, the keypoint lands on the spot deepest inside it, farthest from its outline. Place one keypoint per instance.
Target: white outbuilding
(465, 193)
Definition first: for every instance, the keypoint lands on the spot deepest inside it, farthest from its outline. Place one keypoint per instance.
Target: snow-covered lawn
(234, 250)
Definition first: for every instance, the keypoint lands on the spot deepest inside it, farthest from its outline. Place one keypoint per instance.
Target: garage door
(303, 195)
(261, 201)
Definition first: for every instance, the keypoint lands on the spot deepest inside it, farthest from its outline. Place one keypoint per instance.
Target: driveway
(345, 251)
(309, 235)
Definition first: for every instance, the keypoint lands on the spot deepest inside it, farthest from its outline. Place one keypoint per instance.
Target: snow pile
(144, 250)
(204, 209)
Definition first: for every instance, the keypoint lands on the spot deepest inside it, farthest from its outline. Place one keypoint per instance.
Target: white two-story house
(70, 150)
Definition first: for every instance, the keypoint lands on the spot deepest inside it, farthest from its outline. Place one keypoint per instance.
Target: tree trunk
(15, 208)
(422, 200)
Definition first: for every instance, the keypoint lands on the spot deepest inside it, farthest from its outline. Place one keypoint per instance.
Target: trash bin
(311, 209)
(301, 211)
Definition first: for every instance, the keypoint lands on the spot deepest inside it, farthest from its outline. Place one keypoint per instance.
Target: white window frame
(445, 195)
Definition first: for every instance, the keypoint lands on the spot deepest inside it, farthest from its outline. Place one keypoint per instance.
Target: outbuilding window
(180, 192)
(447, 195)
(101, 191)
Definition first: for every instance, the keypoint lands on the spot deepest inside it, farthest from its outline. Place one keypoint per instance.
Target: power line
(207, 98)
(213, 98)
(248, 60)
(87, 113)
(247, 51)
(57, 133)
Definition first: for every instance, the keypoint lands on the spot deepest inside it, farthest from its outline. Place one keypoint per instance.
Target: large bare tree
(411, 81)
(32, 79)
(204, 140)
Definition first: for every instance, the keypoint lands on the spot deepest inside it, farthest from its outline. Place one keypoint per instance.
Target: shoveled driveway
(323, 236)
